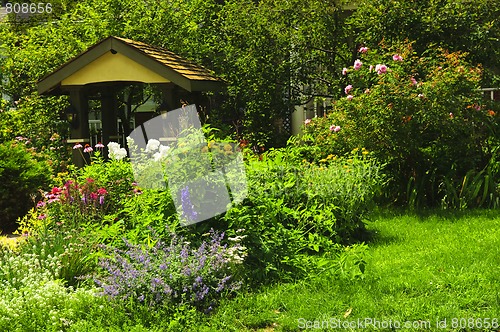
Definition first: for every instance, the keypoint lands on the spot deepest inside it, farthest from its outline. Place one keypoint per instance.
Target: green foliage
(21, 174)
(424, 118)
(297, 209)
(467, 26)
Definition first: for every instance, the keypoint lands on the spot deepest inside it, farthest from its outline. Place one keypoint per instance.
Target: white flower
(153, 145)
(163, 151)
(113, 146)
(117, 154)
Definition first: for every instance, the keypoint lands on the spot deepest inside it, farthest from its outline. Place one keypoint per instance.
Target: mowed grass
(421, 269)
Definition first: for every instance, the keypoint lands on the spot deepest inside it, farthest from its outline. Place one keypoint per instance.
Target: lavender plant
(172, 273)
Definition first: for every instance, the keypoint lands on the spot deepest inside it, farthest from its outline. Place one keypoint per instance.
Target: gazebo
(113, 63)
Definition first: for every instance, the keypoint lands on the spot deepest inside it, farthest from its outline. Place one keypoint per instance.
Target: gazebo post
(108, 116)
(80, 127)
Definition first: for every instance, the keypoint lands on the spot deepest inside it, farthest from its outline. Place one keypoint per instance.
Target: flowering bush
(173, 273)
(424, 117)
(31, 298)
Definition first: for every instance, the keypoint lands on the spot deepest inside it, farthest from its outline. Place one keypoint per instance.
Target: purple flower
(188, 211)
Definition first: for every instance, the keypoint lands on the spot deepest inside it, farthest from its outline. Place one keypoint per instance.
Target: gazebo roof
(116, 59)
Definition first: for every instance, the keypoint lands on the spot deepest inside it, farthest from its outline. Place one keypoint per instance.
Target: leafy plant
(21, 173)
(172, 273)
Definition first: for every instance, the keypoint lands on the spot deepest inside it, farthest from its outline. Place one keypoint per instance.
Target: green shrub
(295, 209)
(423, 117)
(21, 175)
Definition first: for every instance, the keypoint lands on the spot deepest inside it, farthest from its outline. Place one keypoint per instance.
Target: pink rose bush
(420, 116)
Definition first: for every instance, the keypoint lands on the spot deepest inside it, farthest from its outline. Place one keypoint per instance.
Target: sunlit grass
(423, 268)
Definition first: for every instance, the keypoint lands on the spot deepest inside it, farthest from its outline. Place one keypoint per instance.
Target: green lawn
(420, 268)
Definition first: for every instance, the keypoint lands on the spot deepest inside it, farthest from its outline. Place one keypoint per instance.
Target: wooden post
(80, 128)
(108, 117)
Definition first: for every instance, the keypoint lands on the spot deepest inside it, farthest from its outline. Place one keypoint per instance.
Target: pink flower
(397, 57)
(308, 121)
(40, 204)
(357, 64)
(413, 81)
(363, 49)
(102, 191)
(93, 196)
(349, 97)
(421, 95)
(344, 71)
(381, 69)
(371, 68)
(77, 146)
(99, 145)
(348, 89)
(335, 128)
(367, 91)
(88, 148)
(42, 216)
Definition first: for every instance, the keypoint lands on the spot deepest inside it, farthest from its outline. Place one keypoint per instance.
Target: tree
(468, 26)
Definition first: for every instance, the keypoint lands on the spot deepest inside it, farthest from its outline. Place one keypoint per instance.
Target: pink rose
(357, 64)
(363, 49)
(397, 57)
(381, 69)
(348, 89)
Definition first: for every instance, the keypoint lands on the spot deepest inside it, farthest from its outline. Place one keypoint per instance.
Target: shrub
(172, 274)
(21, 173)
(423, 117)
(295, 208)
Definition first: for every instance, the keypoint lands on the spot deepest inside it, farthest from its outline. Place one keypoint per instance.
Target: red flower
(102, 191)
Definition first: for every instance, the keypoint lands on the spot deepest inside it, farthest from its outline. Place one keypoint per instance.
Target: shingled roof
(134, 61)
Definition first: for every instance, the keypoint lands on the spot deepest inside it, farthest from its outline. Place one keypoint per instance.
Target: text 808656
(28, 8)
